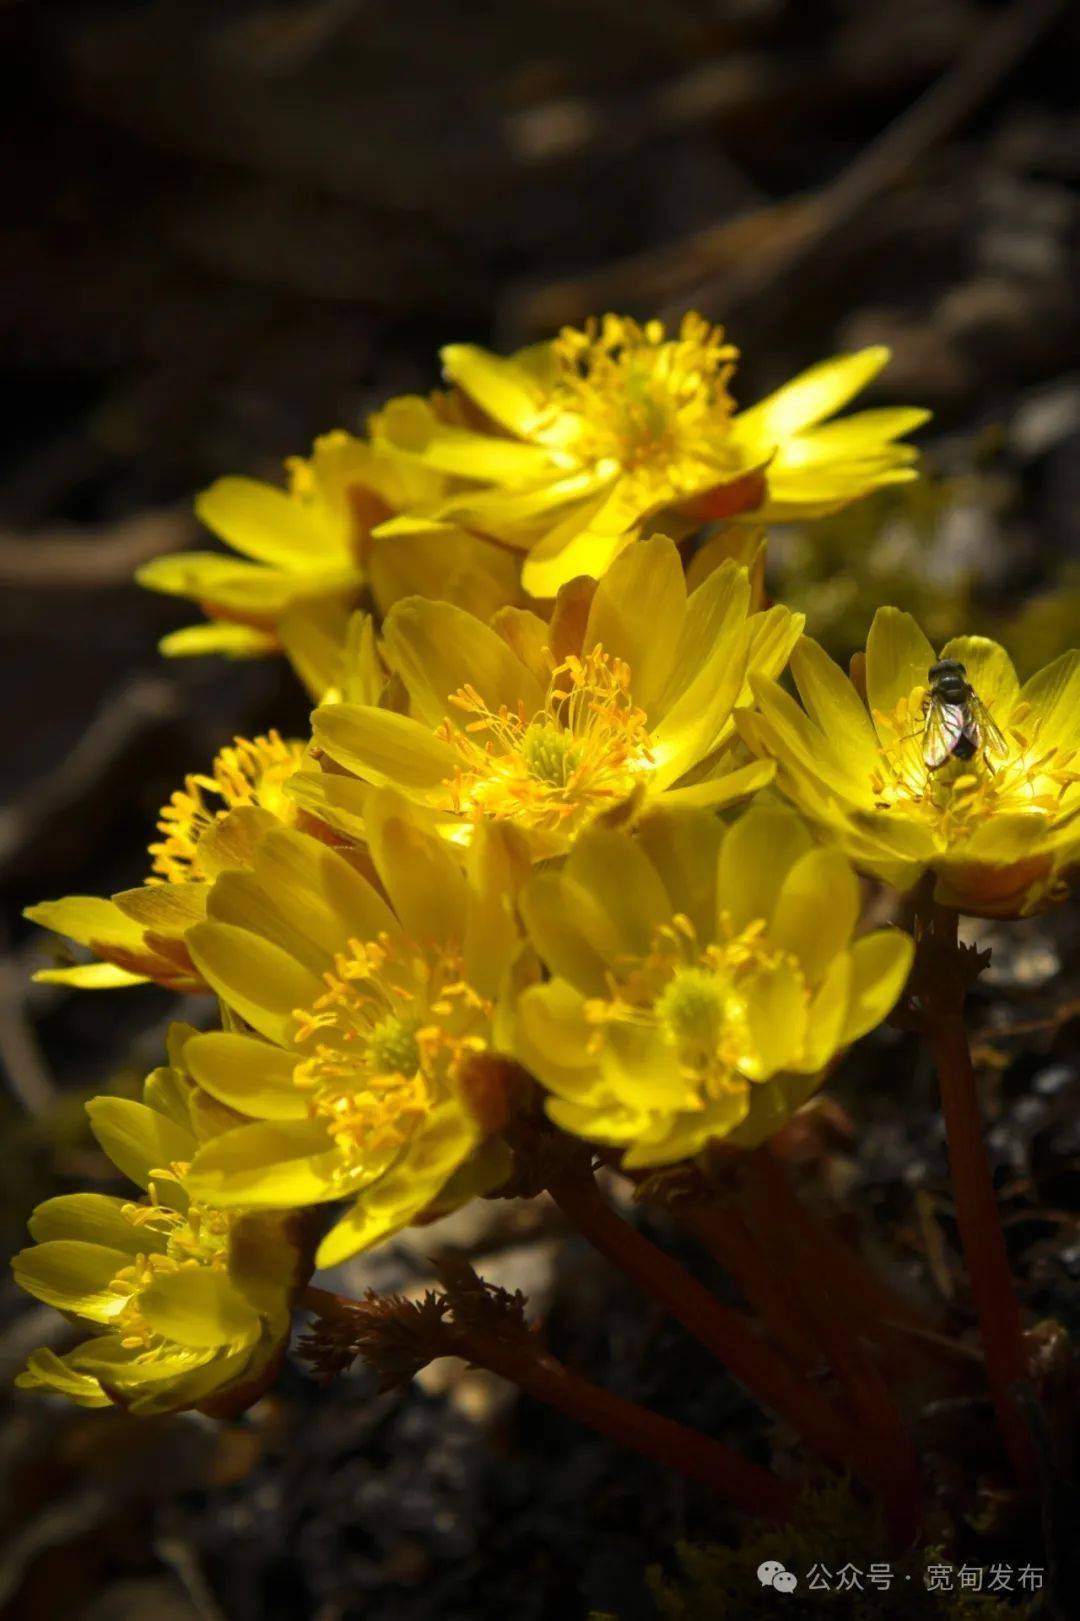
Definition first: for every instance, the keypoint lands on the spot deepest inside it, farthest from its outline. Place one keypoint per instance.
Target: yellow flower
(206, 826)
(702, 980)
(604, 429)
(189, 1303)
(627, 696)
(308, 551)
(998, 831)
(371, 1073)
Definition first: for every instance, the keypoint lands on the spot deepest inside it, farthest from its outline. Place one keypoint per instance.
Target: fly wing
(943, 731)
(987, 734)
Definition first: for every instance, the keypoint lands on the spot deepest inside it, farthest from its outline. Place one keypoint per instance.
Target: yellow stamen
(198, 1237)
(696, 998)
(655, 408)
(583, 752)
(388, 1036)
(249, 772)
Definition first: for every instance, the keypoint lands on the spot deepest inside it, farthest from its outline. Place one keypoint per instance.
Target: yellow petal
(270, 526)
(257, 979)
(318, 892)
(245, 589)
(90, 976)
(498, 864)
(47, 1371)
(898, 659)
(686, 1135)
(825, 1031)
(618, 876)
(418, 869)
(714, 793)
(187, 1385)
(119, 1367)
(502, 388)
(411, 426)
(880, 964)
(435, 1151)
(1054, 696)
(613, 1123)
(139, 1141)
(437, 649)
(450, 565)
(337, 801)
(164, 908)
(757, 853)
(791, 737)
(684, 848)
(700, 718)
(199, 1307)
(773, 633)
(552, 1022)
(814, 492)
(810, 397)
(230, 841)
(519, 517)
(816, 910)
(833, 704)
(166, 1089)
(384, 748)
(641, 1070)
(715, 613)
(226, 637)
(91, 1218)
(271, 1165)
(863, 436)
(88, 920)
(574, 547)
(344, 473)
(312, 636)
(248, 1075)
(239, 900)
(73, 1275)
(637, 615)
(551, 911)
(777, 1015)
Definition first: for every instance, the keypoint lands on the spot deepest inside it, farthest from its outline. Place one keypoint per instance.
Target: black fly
(957, 723)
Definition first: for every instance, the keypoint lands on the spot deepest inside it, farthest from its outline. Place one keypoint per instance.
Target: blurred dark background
(228, 227)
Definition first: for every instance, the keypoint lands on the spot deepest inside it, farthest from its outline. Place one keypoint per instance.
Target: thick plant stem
(778, 1216)
(756, 1365)
(749, 1488)
(870, 1303)
(724, 1234)
(513, 1353)
(941, 986)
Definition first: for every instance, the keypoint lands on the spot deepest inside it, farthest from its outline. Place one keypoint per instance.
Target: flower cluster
(560, 842)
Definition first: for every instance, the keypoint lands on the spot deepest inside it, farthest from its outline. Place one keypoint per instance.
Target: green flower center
(693, 1009)
(393, 1048)
(551, 755)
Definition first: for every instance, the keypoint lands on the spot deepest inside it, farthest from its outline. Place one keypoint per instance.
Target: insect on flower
(957, 723)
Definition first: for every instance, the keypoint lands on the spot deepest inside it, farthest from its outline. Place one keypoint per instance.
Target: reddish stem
(779, 1215)
(878, 1308)
(723, 1232)
(722, 1331)
(942, 991)
(521, 1360)
(745, 1485)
